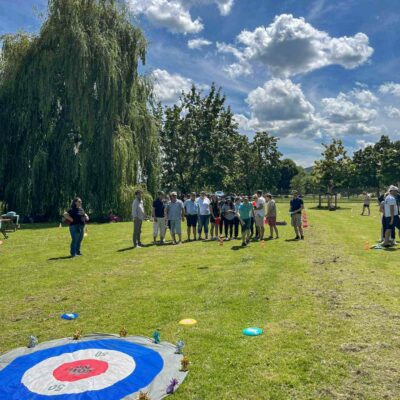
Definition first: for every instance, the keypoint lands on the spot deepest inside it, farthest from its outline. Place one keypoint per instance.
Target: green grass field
(330, 309)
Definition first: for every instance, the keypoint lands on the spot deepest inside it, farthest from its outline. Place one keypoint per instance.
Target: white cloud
(168, 87)
(363, 143)
(196, 44)
(342, 109)
(392, 112)
(280, 107)
(290, 46)
(175, 14)
(351, 113)
(390, 88)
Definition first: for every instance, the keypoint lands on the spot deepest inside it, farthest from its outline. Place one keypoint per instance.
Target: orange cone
(221, 242)
(366, 246)
(262, 243)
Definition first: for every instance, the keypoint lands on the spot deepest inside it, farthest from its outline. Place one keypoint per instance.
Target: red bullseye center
(81, 369)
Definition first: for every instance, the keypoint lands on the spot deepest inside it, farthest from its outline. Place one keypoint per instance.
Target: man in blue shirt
(191, 211)
(296, 208)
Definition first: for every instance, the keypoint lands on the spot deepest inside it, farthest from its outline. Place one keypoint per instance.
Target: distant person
(158, 214)
(138, 216)
(254, 204)
(245, 213)
(228, 211)
(236, 221)
(391, 213)
(296, 208)
(192, 215)
(367, 200)
(271, 216)
(76, 218)
(204, 214)
(215, 218)
(175, 214)
(260, 214)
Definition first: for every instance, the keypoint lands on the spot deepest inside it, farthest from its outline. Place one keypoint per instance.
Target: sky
(305, 71)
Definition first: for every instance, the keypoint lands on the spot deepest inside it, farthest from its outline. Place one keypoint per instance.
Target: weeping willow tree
(75, 115)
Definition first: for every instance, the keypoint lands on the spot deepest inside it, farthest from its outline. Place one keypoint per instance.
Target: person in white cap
(391, 213)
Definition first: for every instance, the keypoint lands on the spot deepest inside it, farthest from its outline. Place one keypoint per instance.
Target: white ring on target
(39, 379)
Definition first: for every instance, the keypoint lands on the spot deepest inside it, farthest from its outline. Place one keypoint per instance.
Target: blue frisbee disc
(252, 331)
(69, 316)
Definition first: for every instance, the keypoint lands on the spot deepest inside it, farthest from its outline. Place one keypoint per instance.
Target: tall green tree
(332, 171)
(74, 112)
(288, 170)
(200, 143)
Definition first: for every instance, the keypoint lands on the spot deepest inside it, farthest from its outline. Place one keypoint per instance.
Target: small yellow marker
(188, 322)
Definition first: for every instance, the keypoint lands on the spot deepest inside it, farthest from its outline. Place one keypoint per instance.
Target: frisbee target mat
(96, 367)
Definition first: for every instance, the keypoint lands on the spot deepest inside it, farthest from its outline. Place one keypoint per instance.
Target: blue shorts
(246, 224)
(396, 222)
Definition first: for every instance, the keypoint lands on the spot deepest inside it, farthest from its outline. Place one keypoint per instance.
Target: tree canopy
(74, 112)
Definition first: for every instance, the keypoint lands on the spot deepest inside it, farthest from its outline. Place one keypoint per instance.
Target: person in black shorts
(192, 215)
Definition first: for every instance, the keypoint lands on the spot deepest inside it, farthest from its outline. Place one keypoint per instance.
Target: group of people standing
(390, 209)
(215, 217)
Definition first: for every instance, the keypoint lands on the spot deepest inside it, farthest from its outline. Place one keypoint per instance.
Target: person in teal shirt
(245, 213)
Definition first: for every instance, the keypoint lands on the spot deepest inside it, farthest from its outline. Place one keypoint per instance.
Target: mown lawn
(330, 309)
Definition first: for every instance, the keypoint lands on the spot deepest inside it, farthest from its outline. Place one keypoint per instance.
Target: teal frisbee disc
(252, 331)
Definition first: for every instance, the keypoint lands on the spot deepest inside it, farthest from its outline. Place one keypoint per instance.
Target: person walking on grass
(260, 214)
(138, 216)
(76, 218)
(192, 215)
(391, 213)
(158, 214)
(367, 200)
(204, 214)
(271, 216)
(175, 212)
(296, 208)
(245, 213)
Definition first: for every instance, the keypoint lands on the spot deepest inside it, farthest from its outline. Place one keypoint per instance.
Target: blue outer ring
(148, 365)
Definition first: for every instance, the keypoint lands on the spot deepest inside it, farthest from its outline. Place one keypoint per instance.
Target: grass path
(330, 309)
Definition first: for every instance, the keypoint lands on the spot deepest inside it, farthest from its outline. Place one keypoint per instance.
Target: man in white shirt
(204, 214)
(260, 214)
(391, 213)
(138, 216)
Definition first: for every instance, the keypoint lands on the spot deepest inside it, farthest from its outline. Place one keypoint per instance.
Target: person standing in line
(236, 221)
(204, 214)
(76, 218)
(384, 225)
(260, 214)
(245, 213)
(367, 200)
(138, 216)
(175, 212)
(192, 212)
(296, 208)
(158, 214)
(254, 204)
(391, 212)
(271, 216)
(214, 217)
(228, 211)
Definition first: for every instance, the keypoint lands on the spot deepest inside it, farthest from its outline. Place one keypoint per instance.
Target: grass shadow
(236, 248)
(60, 258)
(327, 209)
(292, 240)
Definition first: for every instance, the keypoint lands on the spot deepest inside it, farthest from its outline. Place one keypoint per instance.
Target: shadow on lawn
(60, 258)
(132, 248)
(236, 248)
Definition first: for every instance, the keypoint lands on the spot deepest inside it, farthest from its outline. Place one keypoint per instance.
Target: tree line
(77, 118)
